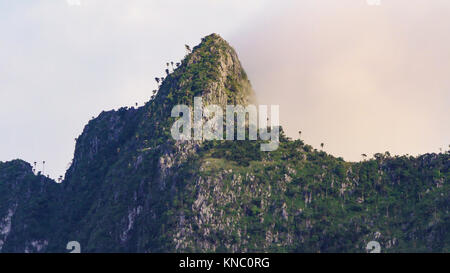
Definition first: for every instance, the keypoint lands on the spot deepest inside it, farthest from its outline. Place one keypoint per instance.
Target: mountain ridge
(132, 188)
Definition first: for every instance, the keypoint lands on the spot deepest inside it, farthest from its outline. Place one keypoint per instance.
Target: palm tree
(321, 145)
(157, 80)
(299, 134)
(171, 64)
(188, 48)
(43, 167)
(35, 163)
(178, 65)
(364, 156)
(167, 71)
(136, 104)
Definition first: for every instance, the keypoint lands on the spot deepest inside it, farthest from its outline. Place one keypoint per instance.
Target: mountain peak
(133, 188)
(215, 37)
(213, 44)
(211, 70)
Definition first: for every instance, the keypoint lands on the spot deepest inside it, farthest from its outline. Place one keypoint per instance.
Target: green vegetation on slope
(132, 188)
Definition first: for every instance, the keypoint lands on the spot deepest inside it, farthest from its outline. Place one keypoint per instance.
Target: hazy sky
(360, 78)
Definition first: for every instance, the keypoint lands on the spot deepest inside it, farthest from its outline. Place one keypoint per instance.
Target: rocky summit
(132, 188)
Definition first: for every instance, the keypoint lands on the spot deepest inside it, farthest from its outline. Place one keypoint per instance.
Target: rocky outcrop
(132, 188)
(27, 208)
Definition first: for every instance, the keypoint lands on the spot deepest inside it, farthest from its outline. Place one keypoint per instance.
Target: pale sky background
(360, 78)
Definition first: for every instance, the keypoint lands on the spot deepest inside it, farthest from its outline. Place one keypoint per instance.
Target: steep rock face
(318, 204)
(132, 188)
(27, 208)
(126, 162)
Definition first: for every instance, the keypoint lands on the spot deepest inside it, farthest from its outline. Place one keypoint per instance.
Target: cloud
(362, 79)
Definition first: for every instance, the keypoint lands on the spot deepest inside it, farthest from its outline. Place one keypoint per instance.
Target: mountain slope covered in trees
(132, 188)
